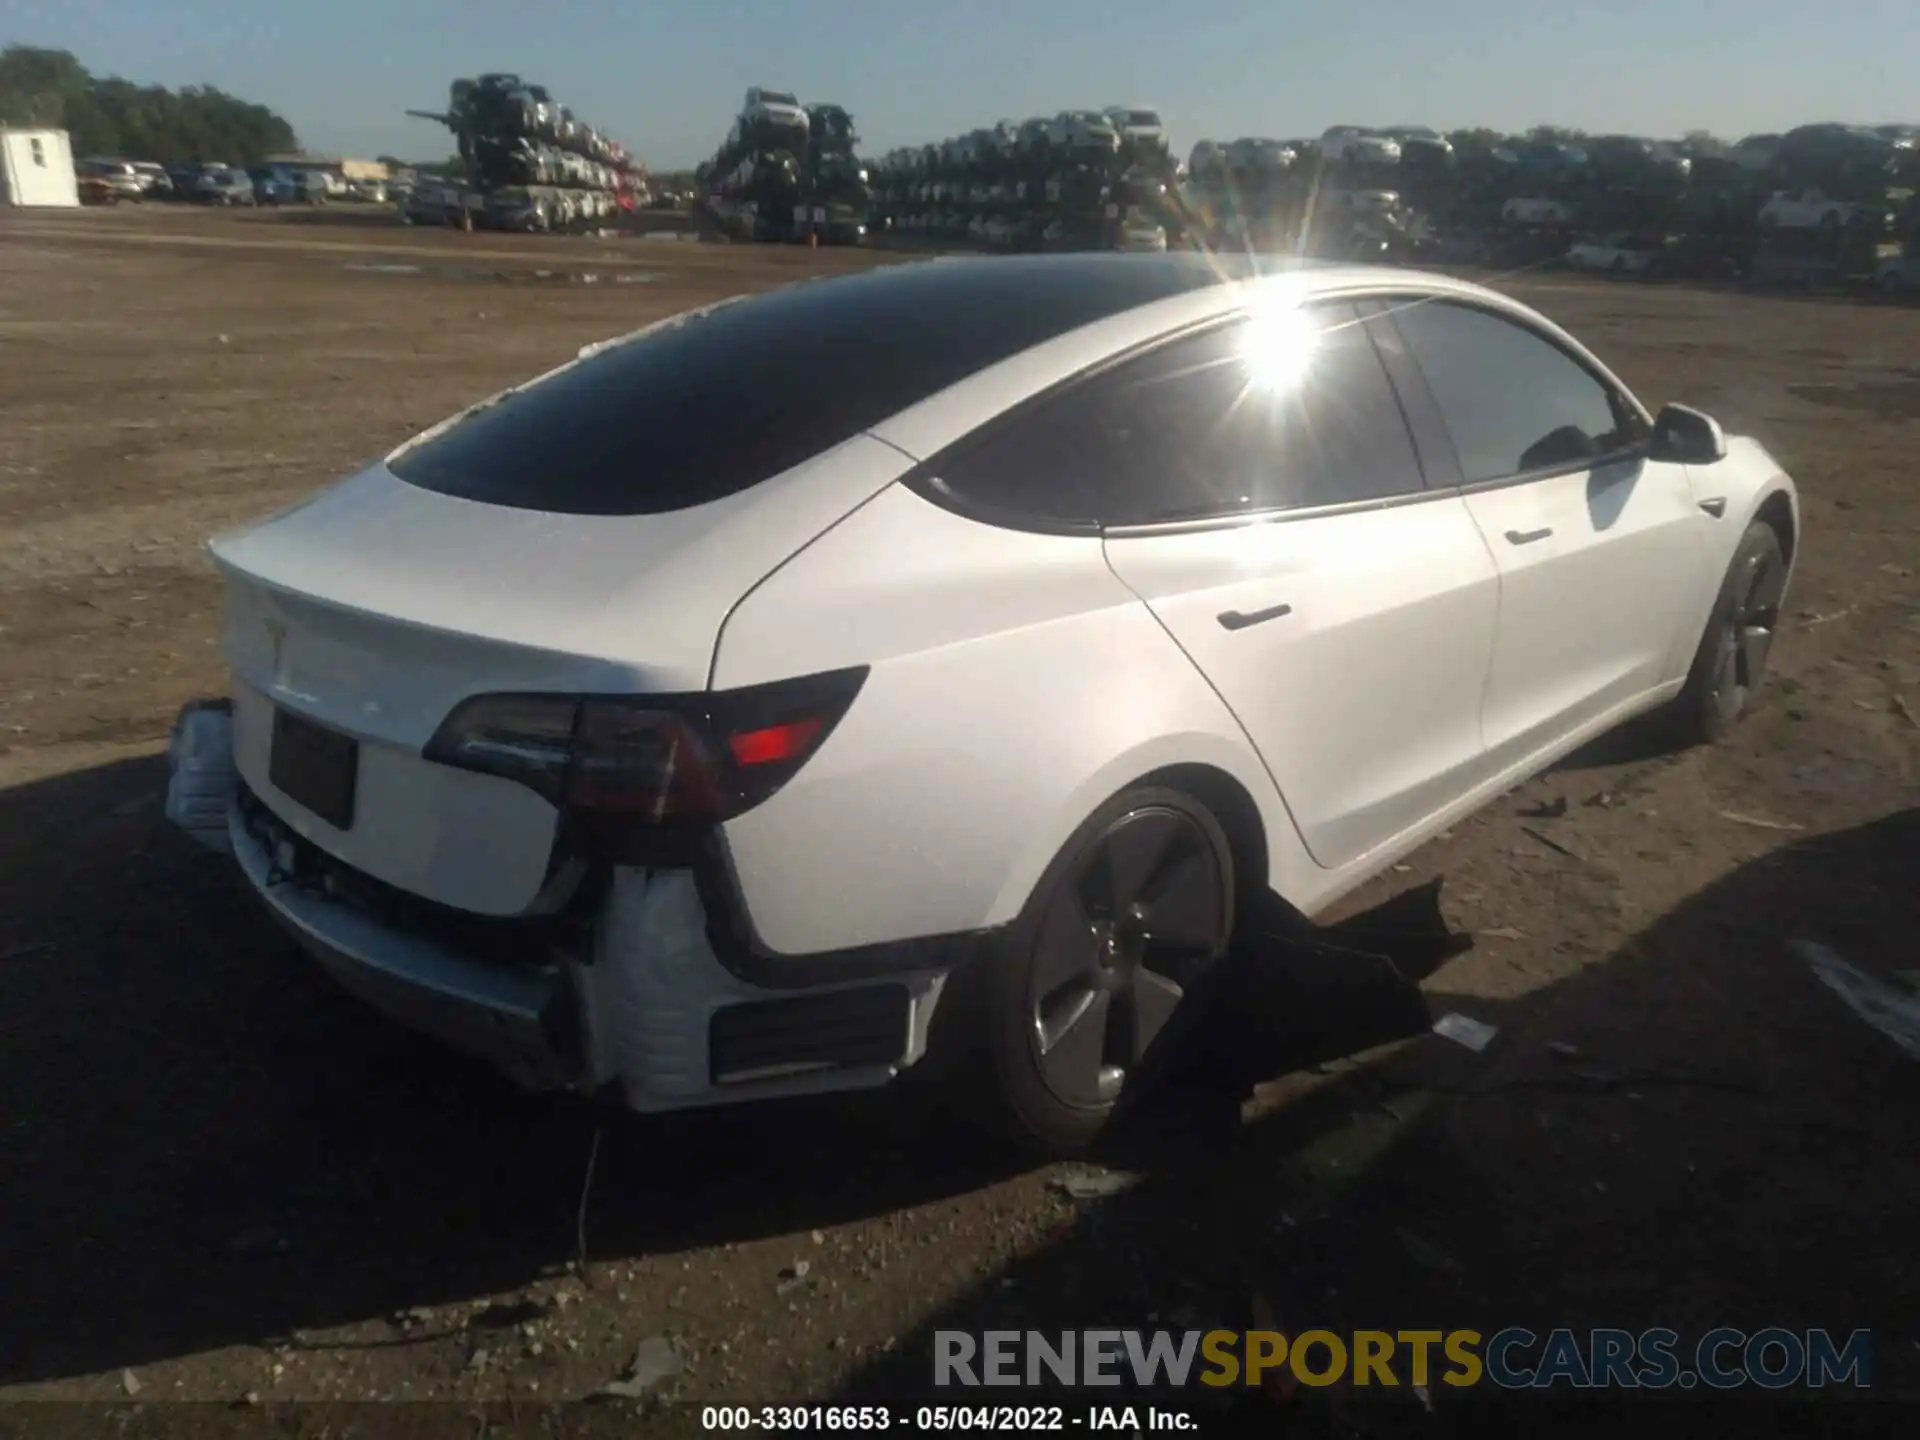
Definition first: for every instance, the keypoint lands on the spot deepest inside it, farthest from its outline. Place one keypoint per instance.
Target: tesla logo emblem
(276, 637)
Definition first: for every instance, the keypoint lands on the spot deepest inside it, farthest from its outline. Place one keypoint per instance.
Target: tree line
(112, 116)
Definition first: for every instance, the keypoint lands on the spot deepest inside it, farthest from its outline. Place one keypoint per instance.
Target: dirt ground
(221, 1181)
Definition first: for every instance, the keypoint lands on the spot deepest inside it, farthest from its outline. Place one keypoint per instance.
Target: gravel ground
(224, 1182)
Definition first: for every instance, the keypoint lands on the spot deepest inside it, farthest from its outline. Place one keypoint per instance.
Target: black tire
(1730, 664)
(1118, 1010)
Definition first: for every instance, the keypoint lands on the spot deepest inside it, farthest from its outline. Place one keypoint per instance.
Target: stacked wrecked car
(532, 164)
(787, 169)
(1084, 179)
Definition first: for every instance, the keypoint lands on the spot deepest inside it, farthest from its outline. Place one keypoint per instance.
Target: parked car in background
(1357, 145)
(271, 185)
(1361, 202)
(118, 175)
(1800, 209)
(223, 185)
(1899, 275)
(433, 202)
(1536, 210)
(159, 185)
(1421, 144)
(1085, 133)
(1826, 149)
(1140, 233)
(1258, 156)
(285, 185)
(371, 192)
(1755, 153)
(1617, 254)
(1141, 131)
(185, 175)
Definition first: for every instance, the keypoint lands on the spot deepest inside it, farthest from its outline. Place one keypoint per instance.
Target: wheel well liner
(1237, 813)
(1776, 512)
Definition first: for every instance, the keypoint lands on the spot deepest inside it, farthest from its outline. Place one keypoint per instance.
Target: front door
(1599, 549)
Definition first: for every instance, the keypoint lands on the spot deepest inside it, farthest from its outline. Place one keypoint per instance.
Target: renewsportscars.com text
(1514, 1358)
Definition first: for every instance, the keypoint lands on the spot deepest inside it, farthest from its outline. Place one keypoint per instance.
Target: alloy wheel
(1746, 632)
(1124, 938)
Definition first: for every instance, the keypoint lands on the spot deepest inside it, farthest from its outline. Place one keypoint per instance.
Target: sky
(665, 77)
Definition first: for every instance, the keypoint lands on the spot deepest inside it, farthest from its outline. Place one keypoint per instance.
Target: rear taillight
(672, 761)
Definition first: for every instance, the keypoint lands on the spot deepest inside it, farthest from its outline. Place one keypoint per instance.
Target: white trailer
(36, 168)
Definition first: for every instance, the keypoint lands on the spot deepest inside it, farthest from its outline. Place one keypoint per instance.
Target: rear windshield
(712, 406)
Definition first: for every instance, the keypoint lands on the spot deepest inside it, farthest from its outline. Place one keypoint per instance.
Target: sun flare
(1280, 344)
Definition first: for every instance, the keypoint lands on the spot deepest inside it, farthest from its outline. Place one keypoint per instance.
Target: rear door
(1259, 492)
(1599, 549)
(1344, 613)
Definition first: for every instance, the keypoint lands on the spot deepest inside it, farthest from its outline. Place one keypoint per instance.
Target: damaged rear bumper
(633, 1000)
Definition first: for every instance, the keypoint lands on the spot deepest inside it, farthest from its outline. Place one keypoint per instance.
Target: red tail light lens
(666, 760)
(774, 744)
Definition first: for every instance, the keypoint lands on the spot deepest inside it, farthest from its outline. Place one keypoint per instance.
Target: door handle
(1241, 619)
(1716, 506)
(1527, 537)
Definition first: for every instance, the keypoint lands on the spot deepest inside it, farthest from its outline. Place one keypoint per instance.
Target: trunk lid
(377, 607)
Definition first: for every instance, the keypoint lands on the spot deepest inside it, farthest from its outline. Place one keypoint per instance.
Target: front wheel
(1728, 667)
(1107, 967)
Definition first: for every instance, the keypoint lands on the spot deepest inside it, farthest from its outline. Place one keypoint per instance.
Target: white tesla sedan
(698, 719)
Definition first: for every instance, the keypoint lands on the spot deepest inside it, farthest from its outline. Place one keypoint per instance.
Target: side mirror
(1686, 436)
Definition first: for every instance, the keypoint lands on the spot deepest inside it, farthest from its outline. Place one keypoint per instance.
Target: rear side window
(718, 403)
(1244, 418)
(1513, 400)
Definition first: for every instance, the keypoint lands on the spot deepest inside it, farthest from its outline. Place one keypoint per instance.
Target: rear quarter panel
(1015, 686)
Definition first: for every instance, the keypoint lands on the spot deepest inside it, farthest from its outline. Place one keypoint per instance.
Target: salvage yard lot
(219, 1179)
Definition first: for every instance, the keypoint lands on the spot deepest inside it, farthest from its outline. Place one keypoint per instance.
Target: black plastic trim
(1554, 472)
(842, 1029)
(1275, 517)
(1432, 441)
(924, 479)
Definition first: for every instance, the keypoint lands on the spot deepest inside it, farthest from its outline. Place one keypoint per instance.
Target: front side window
(1267, 412)
(1512, 400)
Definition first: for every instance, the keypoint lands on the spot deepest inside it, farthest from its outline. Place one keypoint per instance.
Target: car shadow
(1641, 739)
(207, 1143)
(193, 1110)
(1691, 1132)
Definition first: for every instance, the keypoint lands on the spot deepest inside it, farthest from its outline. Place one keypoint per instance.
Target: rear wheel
(1107, 967)
(1732, 658)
